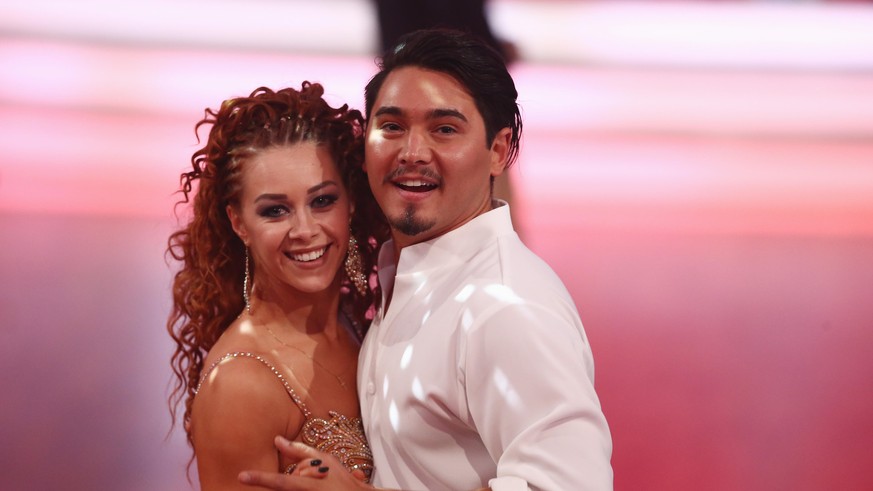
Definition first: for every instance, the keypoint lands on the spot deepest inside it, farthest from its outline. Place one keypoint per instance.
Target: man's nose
(416, 148)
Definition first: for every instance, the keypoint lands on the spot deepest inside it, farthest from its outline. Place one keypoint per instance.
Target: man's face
(427, 159)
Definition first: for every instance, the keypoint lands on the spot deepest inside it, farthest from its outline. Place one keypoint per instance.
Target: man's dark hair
(473, 63)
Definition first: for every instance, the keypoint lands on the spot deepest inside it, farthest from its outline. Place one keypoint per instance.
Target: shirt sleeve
(529, 378)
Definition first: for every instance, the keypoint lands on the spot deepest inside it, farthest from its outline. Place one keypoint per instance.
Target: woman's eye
(273, 211)
(324, 200)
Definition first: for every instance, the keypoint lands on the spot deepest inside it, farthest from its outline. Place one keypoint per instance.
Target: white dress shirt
(479, 373)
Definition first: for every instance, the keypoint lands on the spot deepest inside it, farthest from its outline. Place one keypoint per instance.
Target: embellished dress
(341, 436)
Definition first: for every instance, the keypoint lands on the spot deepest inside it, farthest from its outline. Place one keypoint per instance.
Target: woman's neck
(310, 314)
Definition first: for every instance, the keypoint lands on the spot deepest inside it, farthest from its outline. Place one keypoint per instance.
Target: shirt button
(371, 388)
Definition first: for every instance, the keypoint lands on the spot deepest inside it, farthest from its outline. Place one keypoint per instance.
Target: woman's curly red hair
(207, 289)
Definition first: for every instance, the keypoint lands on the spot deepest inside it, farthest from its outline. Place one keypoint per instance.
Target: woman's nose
(303, 226)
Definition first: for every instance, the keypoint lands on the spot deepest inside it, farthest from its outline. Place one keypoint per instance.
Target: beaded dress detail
(341, 436)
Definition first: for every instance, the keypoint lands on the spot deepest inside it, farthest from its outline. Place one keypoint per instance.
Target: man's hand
(315, 470)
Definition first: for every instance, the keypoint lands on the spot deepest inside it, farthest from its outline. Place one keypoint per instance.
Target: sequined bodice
(341, 436)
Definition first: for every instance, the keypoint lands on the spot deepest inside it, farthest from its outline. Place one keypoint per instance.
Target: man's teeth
(309, 256)
(416, 183)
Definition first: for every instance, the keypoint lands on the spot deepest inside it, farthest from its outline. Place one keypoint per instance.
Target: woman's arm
(237, 413)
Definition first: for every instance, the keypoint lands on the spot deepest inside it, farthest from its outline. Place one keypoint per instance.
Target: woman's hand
(314, 470)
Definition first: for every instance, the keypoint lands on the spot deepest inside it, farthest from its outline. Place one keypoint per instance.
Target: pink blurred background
(699, 173)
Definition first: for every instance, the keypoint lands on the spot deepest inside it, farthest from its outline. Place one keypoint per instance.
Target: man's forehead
(429, 93)
(422, 81)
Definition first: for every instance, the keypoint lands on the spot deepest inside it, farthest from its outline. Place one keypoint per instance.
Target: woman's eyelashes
(324, 200)
(319, 202)
(273, 211)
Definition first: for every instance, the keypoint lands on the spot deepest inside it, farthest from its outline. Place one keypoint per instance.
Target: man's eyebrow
(390, 110)
(452, 113)
(434, 114)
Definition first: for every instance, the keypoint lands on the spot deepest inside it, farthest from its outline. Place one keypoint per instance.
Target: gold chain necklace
(337, 377)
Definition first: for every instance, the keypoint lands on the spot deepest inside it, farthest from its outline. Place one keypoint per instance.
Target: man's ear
(500, 151)
(233, 214)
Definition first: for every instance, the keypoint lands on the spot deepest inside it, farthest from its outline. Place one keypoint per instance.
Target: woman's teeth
(309, 256)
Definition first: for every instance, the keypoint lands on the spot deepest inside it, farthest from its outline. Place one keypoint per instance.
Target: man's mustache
(425, 172)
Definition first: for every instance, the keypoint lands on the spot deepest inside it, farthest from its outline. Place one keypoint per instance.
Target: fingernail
(245, 477)
(315, 462)
(323, 469)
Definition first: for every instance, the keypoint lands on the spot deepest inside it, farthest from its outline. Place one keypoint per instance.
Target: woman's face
(293, 215)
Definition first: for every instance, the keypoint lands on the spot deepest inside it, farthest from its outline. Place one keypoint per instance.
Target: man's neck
(401, 240)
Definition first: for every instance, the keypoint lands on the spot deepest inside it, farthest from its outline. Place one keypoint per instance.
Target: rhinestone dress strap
(294, 397)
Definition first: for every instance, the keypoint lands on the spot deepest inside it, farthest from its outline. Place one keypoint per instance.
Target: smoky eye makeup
(325, 200)
(272, 211)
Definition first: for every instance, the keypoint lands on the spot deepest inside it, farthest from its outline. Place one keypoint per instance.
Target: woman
(273, 294)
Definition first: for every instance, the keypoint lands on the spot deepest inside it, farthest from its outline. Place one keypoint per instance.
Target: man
(476, 371)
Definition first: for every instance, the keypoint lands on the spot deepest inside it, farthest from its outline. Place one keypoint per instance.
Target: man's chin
(410, 224)
(411, 229)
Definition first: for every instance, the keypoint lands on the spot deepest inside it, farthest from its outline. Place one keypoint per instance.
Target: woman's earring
(354, 268)
(246, 280)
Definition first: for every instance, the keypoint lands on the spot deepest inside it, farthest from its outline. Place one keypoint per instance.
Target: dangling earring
(246, 281)
(354, 268)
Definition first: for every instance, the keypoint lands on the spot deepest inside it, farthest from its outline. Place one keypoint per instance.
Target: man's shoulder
(510, 270)
(522, 267)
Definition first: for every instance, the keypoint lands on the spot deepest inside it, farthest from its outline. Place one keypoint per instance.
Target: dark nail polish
(323, 469)
(315, 462)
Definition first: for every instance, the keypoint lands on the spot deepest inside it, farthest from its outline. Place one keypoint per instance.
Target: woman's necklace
(337, 377)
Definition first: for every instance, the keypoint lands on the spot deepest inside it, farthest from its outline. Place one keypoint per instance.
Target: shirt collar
(458, 245)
